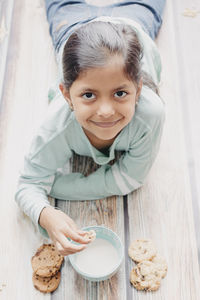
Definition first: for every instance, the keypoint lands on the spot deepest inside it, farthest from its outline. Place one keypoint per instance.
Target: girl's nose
(106, 110)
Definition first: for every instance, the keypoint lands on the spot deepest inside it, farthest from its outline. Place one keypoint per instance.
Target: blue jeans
(66, 16)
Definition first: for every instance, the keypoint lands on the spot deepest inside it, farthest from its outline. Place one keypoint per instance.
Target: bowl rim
(86, 275)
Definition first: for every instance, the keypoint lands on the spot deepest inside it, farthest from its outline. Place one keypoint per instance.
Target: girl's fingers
(58, 246)
(78, 234)
(65, 247)
(72, 224)
(74, 227)
(81, 232)
(73, 233)
(75, 236)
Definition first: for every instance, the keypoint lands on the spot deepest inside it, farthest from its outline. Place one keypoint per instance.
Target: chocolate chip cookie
(145, 276)
(46, 284)
(47, 261)
(141, 250)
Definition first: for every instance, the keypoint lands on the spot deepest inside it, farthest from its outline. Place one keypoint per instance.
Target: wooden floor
(166, 209)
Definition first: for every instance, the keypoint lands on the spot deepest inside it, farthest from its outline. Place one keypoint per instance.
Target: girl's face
(104, 101)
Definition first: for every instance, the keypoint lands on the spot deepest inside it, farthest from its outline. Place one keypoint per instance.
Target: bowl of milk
(102, 257)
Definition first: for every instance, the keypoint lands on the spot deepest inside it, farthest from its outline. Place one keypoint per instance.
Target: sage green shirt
(46, 165)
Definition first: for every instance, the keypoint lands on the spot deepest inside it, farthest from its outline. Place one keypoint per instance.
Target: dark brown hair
(93, 44)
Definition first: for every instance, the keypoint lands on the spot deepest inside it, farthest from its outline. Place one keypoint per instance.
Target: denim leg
(147, 13)
(52, 6)
(63, 16)
(66, 16)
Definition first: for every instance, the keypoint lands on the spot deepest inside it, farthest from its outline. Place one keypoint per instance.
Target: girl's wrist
(43, 218)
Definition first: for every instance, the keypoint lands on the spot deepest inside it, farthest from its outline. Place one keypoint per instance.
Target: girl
(108, 102)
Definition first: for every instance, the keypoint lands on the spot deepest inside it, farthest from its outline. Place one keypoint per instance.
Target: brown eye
(88, 96)
(120, 94)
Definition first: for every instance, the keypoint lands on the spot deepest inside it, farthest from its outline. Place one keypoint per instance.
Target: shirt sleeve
(126, 175)
(37, 176)
(32, 190)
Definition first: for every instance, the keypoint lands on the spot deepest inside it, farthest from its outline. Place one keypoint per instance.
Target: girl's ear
(139, 89)
(66, 94)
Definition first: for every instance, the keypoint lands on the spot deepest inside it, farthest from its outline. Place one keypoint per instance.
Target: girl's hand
(60, 227)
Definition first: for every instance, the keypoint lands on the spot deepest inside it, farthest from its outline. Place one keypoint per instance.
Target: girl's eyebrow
(87, 89)
(123, 86)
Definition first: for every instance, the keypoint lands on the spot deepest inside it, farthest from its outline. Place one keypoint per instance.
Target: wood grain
(162, 208)
(6, 11)
(187, 41)
(107, 212)
(165, 209)
(29, 72)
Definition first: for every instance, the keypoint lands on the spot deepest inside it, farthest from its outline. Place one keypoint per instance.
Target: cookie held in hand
(91, 235)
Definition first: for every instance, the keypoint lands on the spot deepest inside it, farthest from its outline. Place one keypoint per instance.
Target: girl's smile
(103, 100)
(106, 124)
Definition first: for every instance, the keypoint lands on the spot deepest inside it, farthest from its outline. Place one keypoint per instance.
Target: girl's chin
(104, 136)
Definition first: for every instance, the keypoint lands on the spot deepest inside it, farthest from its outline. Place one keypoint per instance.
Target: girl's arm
(34, 185)
(35, 182)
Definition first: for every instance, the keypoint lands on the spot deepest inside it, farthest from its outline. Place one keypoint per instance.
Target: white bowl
(102, 232)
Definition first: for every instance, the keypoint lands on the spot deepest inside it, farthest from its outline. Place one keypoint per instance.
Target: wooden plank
(162, 208)
(107, 212)
(6, 10)
(188, 48)
(153, 211)
(29, 72)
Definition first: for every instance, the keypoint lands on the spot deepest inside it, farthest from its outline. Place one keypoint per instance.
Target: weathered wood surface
(165, 209)
(6, 11)
(108, 212)
(187, 45)
(162, 209)
(100, 212)
(30, 70)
